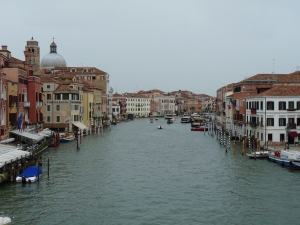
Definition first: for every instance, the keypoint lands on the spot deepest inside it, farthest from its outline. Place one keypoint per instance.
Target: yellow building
(12, 101)
(88, 102)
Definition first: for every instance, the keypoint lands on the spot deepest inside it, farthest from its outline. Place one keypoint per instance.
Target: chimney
(27, 56)
(4, 47)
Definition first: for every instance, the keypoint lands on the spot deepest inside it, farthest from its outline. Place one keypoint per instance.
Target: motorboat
(170, 120)
(199, 128)
(197, 121)
(67, 139)
(156, 118)
(151, 120)
(290, 158)
(4, 219)
(30, 174)
(258, 154)
(160, 127)
(185, 119)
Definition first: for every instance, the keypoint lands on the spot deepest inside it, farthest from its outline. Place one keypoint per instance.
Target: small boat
(258, 154)
(170, 120)
(290, 159)
(185, 119)
(156, 118)
(30, 175)
(4, 219)
(160, 127)
(199, 128)
(67, 139)
(151, 120)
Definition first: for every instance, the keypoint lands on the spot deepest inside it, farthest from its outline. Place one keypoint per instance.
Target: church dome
(53, 59)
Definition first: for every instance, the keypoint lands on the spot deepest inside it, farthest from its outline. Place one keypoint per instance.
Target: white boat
(290, 158)
(160, 127)
(258, 154)
(9, 140)
(30, 175)
(151, 120)
(4, 219)
(169, 116)
(185, 119)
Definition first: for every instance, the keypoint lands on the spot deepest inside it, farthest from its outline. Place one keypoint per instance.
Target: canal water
(134, 173)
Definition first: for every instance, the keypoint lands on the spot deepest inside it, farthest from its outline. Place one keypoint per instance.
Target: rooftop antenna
(273, 67)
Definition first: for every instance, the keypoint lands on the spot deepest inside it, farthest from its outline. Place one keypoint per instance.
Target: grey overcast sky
(169, 45)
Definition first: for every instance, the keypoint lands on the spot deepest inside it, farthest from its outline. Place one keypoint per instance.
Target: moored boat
(30, 175)
(199, 128)
(289, 159)
(258, 154)
(67, 139)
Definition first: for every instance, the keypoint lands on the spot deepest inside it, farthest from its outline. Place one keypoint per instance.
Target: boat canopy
(10, 153)
(27, 135)
(79, 125)
(31, 171)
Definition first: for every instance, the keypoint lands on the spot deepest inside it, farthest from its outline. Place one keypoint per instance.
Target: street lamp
(288, 130)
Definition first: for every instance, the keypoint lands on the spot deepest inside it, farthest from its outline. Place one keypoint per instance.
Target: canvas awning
(9, 153)
(293, 134)
(79, 125)
(27, 135)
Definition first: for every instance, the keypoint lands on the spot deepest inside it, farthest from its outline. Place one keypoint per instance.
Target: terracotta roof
(13, 59)
(281, 90)
(62, 87)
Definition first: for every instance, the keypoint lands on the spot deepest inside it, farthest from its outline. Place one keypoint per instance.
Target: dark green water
(134, 173)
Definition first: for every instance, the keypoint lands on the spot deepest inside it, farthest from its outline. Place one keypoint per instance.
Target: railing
(253, 124)
(26, 104)
(3, 96)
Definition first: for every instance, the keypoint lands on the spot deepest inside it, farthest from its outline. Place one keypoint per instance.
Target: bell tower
(34, 49)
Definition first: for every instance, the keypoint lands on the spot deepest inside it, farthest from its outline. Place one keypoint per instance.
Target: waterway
(134, 173)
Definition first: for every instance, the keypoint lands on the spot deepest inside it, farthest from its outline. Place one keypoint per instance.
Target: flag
(230, 104)
(19, 122)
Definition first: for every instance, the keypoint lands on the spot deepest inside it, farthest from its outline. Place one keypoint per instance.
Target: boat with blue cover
(30, 175)
(287, 158)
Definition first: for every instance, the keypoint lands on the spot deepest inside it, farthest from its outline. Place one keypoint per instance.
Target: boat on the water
(4, 219)
(170, 120)
(258, 154)
(197, 121)
(160, 127)
(199, 128)
(156, 118)
(30, 175)
(151, 120)
(289, 159)
(185, 119)
(68, 138)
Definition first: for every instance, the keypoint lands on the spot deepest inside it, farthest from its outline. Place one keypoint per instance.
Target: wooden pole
(48, 168)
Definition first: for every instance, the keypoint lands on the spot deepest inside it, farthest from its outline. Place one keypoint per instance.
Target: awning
(293, 134)
(79, 125)
(27, 135)
(55, 125)
(9, 153)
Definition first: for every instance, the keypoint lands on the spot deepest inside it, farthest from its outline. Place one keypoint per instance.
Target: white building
(138, 106)
(268, 114)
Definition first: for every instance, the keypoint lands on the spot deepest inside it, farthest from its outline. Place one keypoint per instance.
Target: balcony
(2, 122)
(253, 124)
(97, 115)
(39, 104)
(26, 104)
(3, 96)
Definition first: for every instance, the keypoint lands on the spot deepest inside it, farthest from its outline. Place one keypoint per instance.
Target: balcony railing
(3, 96)
(253, 124)
(26, 104)
(2, 122)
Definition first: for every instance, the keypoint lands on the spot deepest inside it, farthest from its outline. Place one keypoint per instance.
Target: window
(281, 138)
(65, 97)
(57, 107)
(262, 137)
(291, 121)
(298, 121)
(57, 96)
(298, 105)
(48, 119)
(261, 105)
(58, 119)
(291, 105)
(270, 105)
(282, 122)
(270, 137)
(270, 121)
(75, 117)
(48, 108)
(282, 106)
(48, 86)
(48, 96)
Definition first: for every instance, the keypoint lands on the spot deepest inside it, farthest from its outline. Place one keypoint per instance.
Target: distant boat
(30, 175)
(151, 120)
(199, 128)
(160, 127)
(290, 159)
(67, 139)
(185, 119)
(259, 154)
